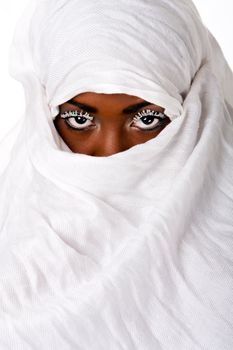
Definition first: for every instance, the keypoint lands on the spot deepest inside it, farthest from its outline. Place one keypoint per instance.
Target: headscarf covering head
(150, 49)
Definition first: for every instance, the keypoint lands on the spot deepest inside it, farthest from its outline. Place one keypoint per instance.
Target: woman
(118, 236)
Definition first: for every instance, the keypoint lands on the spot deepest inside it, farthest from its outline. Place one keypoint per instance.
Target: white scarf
(132, 251)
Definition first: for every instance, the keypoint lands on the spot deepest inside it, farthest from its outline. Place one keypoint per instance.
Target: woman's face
(99, 124)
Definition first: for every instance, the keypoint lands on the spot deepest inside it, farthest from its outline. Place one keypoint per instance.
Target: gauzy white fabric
(133, 250)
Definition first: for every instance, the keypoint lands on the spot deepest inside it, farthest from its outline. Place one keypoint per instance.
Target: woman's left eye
(149, 119)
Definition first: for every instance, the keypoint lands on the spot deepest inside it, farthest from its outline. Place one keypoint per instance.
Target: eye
(77, 120)
(149, 119)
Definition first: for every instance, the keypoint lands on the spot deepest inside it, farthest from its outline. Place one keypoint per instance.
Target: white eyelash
(68, 114)
(149, 112)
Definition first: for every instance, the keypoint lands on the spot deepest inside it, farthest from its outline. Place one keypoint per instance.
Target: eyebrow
(131, 109)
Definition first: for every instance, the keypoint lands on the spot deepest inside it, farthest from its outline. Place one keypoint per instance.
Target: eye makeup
(149, 112)
(76, 119)
(146, 118)
(70, 114)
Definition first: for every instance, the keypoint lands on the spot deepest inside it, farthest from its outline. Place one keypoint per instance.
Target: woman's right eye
(77, 120)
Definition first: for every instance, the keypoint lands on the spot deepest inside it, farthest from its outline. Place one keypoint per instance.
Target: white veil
(134, 250)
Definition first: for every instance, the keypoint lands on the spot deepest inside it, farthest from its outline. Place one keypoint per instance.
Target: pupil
(148, 119)
(80, 120)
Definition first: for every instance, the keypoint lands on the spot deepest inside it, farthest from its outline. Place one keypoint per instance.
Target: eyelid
(148, 112)
(76, 113)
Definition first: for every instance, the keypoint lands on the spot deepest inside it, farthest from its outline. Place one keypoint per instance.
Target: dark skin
(112, 130)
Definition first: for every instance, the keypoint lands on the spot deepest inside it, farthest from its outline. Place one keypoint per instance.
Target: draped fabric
(131, 251)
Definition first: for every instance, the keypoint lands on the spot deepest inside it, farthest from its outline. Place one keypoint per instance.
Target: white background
(217, 16)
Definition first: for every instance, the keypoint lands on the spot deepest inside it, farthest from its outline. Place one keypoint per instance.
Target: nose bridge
(111, 141)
